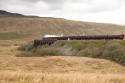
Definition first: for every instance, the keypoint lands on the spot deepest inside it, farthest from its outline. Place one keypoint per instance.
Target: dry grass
(37, 27)
(8, 48)
(34, 77)
(61, 69)
(60, 64)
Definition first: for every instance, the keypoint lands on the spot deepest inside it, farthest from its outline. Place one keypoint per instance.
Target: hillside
(5, 13)
(39, 26)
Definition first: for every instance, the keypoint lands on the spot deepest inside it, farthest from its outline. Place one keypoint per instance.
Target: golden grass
(60, 64)
(35, 77)
(55, 69)
(8, 48)
(61, 69)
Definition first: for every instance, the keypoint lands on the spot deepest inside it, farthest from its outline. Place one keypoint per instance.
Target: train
(50, 40)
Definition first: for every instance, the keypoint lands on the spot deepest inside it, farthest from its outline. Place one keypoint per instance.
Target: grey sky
(109, 11)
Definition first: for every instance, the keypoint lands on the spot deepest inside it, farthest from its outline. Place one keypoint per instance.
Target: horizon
(66, 18)
(100, 11)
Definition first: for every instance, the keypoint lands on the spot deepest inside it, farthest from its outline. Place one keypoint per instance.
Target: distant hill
(5, 13)
(38, 26)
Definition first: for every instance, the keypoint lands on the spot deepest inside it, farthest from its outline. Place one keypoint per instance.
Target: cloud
(24, 7)
(47, 1)
(54, 4)
(86, 10)
(104, 5)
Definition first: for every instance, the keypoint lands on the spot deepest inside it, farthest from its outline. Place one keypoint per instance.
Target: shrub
(59, 44)
(68, 51)
(90, 52)
(26, 47)
(112, 49)
(47, 52)
(40, 51)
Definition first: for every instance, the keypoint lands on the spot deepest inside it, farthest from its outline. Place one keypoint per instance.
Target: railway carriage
(50, 40)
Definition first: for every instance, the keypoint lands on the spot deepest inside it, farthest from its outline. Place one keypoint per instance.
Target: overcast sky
(107, 11)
